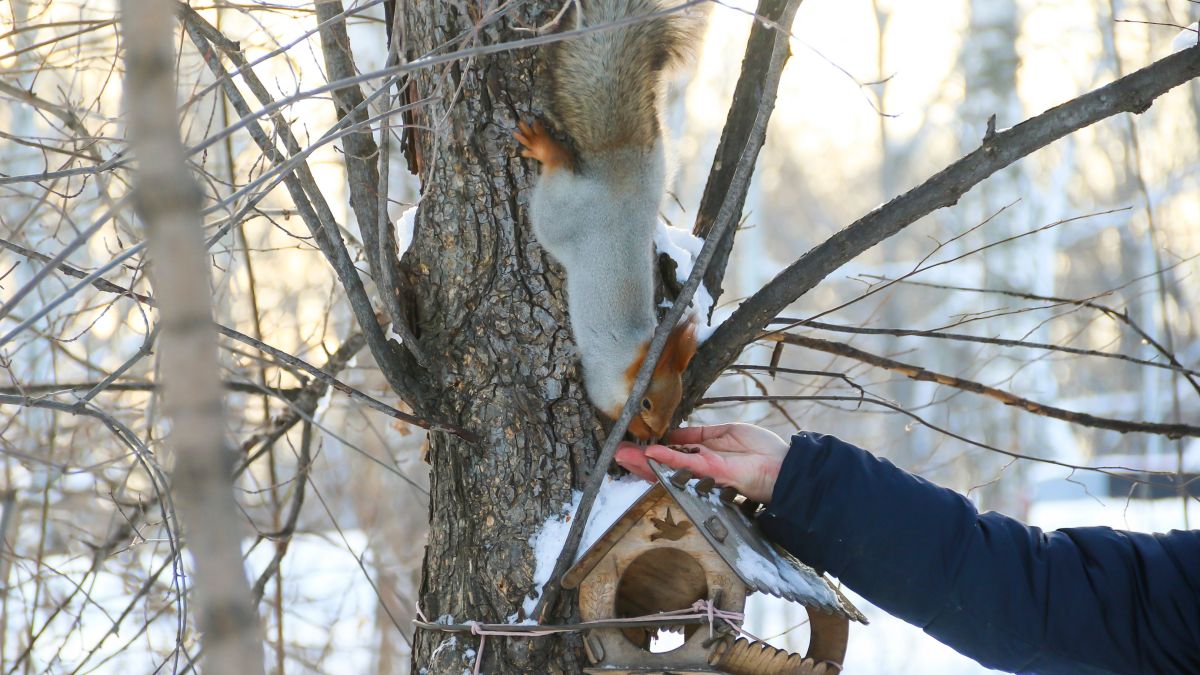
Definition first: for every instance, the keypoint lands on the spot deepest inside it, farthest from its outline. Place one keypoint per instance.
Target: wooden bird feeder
(684, 541)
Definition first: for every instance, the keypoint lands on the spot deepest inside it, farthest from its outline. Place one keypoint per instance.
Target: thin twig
(1170, 430)
(965, 337)
(1122, 472)
(283, 536)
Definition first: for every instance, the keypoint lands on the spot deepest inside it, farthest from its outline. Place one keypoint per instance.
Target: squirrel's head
(666, 386)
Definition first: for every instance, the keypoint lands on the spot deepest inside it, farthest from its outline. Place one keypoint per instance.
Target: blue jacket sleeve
(1012, 597)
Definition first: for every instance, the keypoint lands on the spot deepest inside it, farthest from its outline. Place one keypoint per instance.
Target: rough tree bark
(491, 319)
(168, 201)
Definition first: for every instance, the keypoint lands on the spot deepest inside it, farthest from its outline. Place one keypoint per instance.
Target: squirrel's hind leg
(540, 145)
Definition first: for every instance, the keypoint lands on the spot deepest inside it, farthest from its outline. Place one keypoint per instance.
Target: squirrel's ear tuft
(681, 345)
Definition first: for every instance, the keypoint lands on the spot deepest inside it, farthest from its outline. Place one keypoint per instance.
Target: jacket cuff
(799, 491)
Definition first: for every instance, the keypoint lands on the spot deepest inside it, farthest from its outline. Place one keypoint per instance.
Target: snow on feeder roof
(685, 544)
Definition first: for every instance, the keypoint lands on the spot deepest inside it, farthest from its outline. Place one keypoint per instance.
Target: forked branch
(1132, 93)
(767, 52)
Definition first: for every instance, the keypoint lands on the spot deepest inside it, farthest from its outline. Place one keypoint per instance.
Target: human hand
(740, 455)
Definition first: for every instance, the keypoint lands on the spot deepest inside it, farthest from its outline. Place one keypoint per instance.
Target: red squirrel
(594, 208)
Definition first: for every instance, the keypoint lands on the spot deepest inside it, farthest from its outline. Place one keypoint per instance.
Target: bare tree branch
(1119, 316)
(58, 388)
(912, 372)
(965, 337)
(278, 355)
(304, 404)
(58, 259)
(371, 402)
(1132, 93)
(767, 52)
(284, 534)
(310, 203)
(1122, 472)
(362, 157)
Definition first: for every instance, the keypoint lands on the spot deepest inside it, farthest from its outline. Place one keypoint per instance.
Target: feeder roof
(612, 535)
(761, 565)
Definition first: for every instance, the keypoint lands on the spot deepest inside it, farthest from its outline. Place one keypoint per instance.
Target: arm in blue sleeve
(1084, 600)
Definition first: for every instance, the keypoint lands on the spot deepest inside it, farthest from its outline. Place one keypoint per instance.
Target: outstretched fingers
(633, 458)
(703, 463)
(685, 435)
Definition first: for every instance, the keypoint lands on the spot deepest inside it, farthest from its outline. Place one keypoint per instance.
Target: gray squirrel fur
(596, 214)
(608, 254)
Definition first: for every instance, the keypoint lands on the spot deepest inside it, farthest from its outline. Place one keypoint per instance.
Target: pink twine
(701, 609)
(744, 633)
(475, 630)
(711, 611)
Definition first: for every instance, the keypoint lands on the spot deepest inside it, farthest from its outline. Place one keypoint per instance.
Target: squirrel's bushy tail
(607, 83)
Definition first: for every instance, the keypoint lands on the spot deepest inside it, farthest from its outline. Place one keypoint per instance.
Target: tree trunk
(168, 202)
(491, 317)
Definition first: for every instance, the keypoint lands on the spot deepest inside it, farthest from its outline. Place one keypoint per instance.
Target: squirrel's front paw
(540, 145)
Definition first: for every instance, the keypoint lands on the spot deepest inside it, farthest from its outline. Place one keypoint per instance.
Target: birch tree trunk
(491, 317)
(168, 201)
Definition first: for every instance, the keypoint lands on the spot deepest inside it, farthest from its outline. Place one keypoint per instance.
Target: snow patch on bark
(615, 497)
(404, 230)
